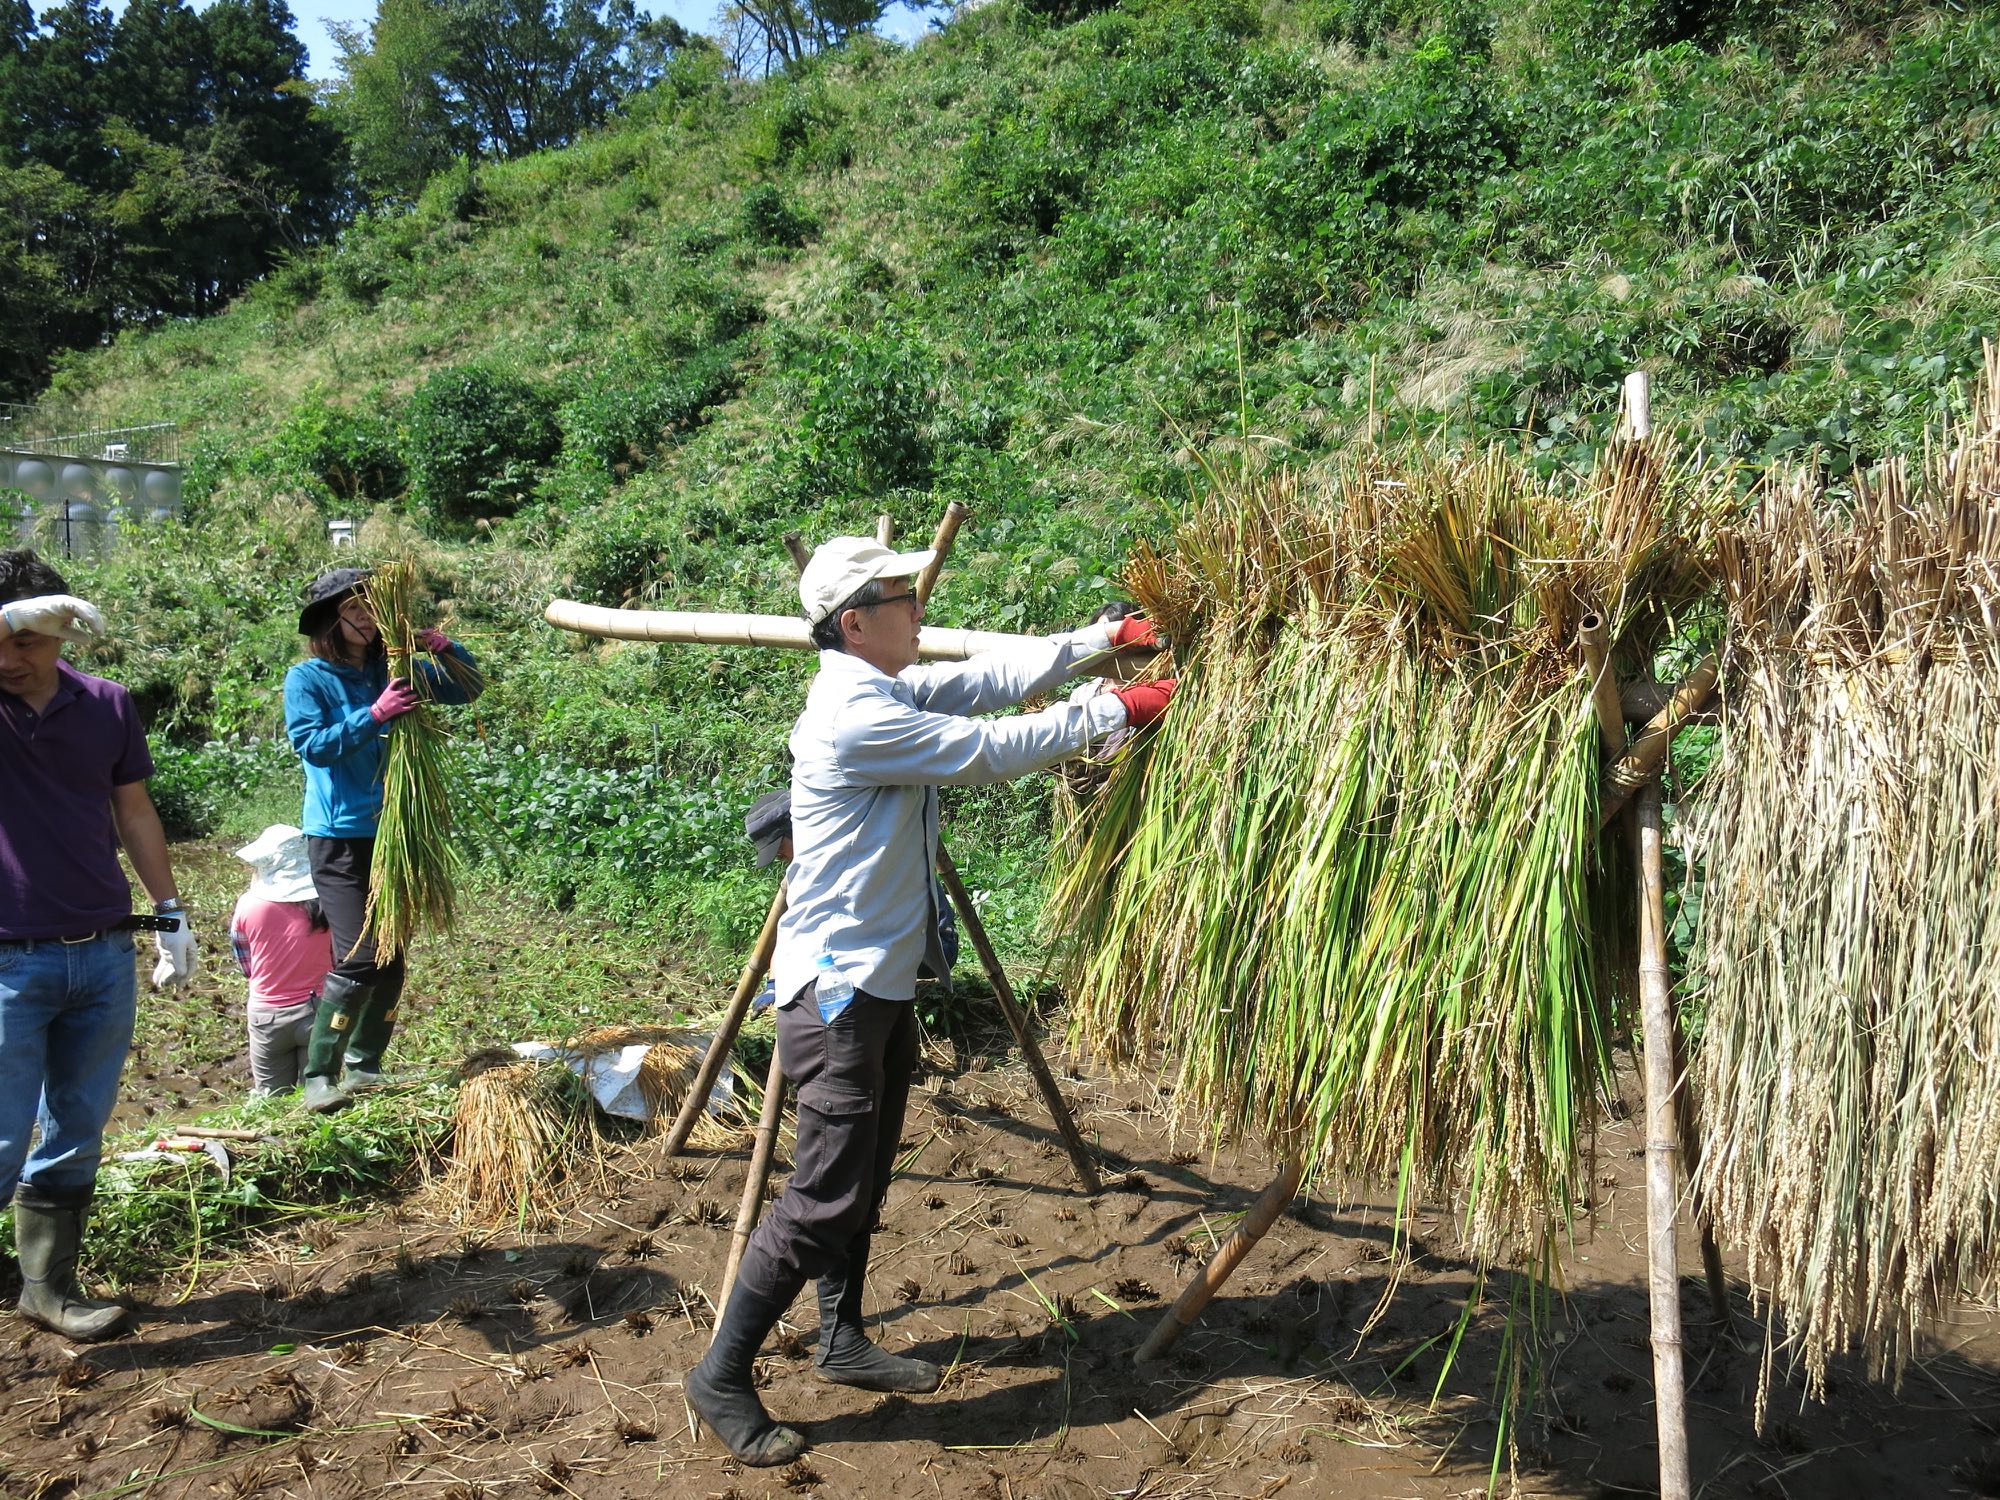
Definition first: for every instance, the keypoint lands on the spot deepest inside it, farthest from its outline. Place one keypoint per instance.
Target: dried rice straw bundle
(1352, 889)
(673, 1056)
(416, 865)
(524, 1132)
(1850, 927)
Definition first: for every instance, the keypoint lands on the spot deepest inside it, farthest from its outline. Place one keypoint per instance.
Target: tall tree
(390, 100)
(438, 79)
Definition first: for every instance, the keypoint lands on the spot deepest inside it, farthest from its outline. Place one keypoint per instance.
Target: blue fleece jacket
(327, 716)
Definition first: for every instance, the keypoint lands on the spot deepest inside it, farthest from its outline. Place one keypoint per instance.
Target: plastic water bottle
(832, 989)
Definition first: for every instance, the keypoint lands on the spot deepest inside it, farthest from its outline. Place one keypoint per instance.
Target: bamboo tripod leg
(751, 1208)
(1662, 1151)
(725, 1036)
(1079, 1155)
(1198, 1293)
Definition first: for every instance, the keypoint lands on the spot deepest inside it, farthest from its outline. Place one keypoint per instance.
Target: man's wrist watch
(167, 907)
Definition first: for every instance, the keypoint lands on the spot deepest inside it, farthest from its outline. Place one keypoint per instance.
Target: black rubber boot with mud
(373, 1027)
(846, 1357)
(721, 1391)
(48, 1238)
(340, 1000)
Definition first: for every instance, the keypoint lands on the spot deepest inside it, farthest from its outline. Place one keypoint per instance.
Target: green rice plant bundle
(1849, 1069)
(416, 868)
(1351, 894)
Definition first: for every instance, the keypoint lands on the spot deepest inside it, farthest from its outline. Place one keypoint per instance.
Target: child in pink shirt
(285, 950)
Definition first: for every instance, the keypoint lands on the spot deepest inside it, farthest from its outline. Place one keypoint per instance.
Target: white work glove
(62, 615)
(176, 950)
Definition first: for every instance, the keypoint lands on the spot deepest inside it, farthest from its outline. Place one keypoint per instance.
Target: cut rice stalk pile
(524, 1131)
(1351, 891)
(1850, 929)
(416, 864)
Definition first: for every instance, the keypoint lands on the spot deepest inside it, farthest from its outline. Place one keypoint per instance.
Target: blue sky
(697, 15)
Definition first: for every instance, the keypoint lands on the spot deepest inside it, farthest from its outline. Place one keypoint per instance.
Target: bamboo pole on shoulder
(754, 969)
(1198, 1293)
(786, 632)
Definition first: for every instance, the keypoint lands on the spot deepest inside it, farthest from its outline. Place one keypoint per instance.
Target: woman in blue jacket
(338, 703)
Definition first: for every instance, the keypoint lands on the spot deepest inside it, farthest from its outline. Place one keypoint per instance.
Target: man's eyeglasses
(909, 599)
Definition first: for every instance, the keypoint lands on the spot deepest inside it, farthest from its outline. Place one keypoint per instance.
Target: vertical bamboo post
(732, 1022)
(1662, 1154)
(1079, 1155)
(1198, 1293)
(885, 529)
(751, 1207)
(801, 554)
(1639, 405)
(947, 533)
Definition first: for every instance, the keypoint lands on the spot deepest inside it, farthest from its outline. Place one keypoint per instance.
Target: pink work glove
(397, 698)
(1146, 701)
(1135, 630)
(433, 640)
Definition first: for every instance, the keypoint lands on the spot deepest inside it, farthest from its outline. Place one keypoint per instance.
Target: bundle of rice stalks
(525, 1132)
(1352, 890)
(666, 1071)
(1850, 927)
(415, 872)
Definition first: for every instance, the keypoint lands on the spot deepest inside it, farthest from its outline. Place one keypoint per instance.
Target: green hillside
(1037, 263)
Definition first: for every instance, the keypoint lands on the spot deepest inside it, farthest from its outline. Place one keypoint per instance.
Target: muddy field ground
(406, 1352)
(409, 1354)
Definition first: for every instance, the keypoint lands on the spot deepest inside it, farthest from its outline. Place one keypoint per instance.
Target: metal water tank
(163, 488)
(79, 481)
(36, 477)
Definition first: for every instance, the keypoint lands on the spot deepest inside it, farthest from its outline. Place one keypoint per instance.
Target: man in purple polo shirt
(73, 769)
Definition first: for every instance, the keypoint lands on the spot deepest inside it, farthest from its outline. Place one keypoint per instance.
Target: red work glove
(1135, 630)
(433, 640)
(397, 698)
(1146, 701)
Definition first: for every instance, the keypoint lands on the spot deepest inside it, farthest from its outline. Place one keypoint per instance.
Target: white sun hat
(840, 567)
(278, 855)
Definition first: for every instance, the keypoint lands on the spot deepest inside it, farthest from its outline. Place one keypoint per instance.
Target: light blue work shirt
(868, 755)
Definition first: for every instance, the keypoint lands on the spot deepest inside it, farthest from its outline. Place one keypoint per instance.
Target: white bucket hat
(839, 569)
(278, 855)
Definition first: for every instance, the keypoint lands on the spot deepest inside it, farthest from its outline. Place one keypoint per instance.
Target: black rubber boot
(721, 1391)
(846, 1357)
(373, 1028)
(48, 1239)
(340, 1000)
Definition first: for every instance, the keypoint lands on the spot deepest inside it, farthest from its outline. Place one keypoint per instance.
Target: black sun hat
(323, 596)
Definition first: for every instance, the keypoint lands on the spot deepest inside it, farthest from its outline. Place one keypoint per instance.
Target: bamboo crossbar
(700, 627)
(1648, 752)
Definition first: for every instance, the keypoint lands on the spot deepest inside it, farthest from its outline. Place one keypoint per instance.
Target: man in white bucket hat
(878, 737)
(285, 950)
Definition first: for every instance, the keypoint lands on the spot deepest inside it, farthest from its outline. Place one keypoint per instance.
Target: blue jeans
(66, 1013)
